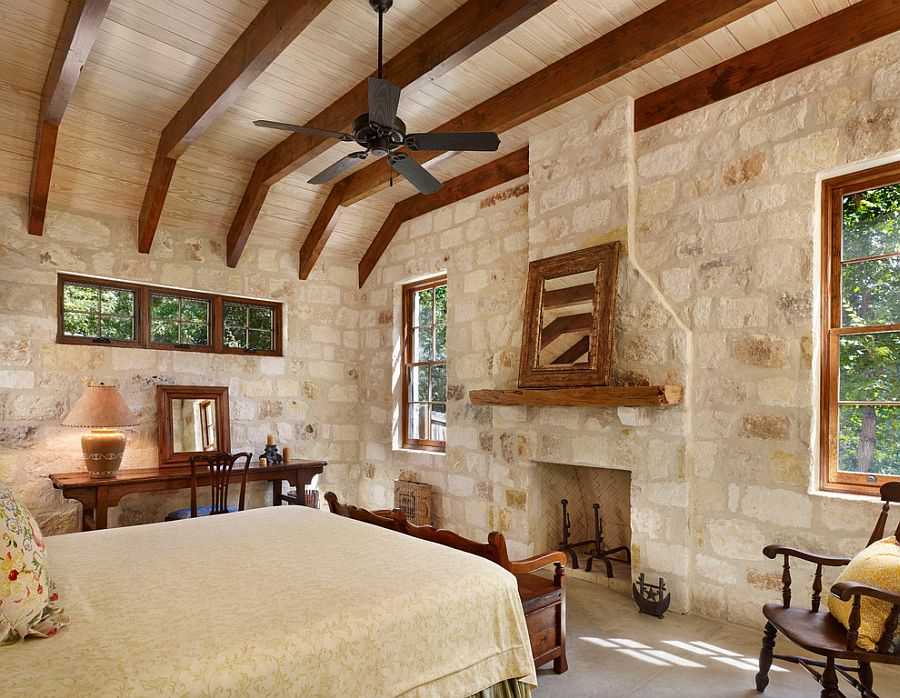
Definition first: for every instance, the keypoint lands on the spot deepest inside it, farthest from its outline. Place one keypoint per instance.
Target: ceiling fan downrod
(381, 6)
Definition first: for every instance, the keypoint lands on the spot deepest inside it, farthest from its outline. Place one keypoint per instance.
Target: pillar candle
(270, 439)
(286, 453)
(263, 461)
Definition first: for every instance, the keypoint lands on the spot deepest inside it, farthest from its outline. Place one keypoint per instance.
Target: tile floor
(614, 651)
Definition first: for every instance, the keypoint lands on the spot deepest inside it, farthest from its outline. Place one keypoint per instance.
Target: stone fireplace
(582, 487)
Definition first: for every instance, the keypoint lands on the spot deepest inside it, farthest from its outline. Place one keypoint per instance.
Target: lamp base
(103, 449)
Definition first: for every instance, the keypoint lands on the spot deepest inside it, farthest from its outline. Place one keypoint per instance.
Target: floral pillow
(28, 601)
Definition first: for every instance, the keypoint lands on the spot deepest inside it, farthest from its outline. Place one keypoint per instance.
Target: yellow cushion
(877, 566)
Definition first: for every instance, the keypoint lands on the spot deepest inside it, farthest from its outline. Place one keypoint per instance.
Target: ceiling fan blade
(415, 174)
(463, 140)
(337, 168)
(303, 129)
(384, 99)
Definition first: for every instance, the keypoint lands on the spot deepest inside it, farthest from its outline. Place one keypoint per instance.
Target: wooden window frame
(833, 191)
(142, 298)
(63, 338)
(214, 326)
(408, 336)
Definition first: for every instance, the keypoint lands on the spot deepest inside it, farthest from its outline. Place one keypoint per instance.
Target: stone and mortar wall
(309, 397)
(719, 211)
(728, 226)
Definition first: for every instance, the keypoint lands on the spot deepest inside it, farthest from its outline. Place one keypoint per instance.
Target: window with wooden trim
(425, 365)
(860, 407)
(120, 313)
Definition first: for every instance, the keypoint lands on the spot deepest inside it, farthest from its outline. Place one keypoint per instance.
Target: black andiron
(598, 552)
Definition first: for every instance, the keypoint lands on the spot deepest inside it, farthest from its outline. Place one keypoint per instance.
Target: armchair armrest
(854, 590)
(771, 551)
(536, 562)
(846, 590)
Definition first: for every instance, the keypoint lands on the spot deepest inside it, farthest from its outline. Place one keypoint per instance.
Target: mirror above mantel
(192, 420)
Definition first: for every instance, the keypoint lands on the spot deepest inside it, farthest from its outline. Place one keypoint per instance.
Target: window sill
(875, 497)
(421, 451)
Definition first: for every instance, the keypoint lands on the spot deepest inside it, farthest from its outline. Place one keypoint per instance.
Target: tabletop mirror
(192, 420)
(567, 337)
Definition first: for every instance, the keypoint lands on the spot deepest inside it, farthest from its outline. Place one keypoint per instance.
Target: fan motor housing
(379, 142)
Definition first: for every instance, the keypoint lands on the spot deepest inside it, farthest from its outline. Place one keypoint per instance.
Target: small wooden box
(414, 500)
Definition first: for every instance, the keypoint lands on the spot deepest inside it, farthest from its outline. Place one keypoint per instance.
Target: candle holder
(271, 454)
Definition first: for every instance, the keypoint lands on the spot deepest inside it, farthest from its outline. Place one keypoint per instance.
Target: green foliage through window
(869, 361)
(98, 312)
(179, 320)
(249, 327)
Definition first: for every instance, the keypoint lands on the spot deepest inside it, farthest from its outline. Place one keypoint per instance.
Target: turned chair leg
(765, 657)
(866, 679)
(830, 680)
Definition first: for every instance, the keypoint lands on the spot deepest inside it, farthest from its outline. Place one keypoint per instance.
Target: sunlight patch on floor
(667, 658)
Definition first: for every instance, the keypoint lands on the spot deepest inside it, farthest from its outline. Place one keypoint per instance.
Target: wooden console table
(98, 494)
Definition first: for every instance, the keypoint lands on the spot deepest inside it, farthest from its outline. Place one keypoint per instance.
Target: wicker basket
(414, 500)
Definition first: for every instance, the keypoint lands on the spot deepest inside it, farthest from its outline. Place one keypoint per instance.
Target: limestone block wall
(309, 397)
(728, 223)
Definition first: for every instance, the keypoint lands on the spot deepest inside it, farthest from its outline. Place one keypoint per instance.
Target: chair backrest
(220, 467)
(890, 494)
(394, 519)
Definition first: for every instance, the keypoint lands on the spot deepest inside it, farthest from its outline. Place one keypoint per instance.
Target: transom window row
(99, 311)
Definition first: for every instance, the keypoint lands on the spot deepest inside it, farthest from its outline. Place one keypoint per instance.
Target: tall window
(425, 365)
(860, 427)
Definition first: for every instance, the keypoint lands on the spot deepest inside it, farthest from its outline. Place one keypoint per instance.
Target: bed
(279, 601)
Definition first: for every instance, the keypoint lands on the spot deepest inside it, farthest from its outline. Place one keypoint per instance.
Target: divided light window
(95, 311)
(103, 312)
(860, 427)
(425, 365)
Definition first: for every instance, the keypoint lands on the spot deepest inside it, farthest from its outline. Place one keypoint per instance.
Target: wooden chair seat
(816, 631)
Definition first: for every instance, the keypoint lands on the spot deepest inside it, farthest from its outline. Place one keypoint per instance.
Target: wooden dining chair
(221, 468)
(821, 633)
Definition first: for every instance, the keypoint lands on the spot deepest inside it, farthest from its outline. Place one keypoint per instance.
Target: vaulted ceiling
(150, 56)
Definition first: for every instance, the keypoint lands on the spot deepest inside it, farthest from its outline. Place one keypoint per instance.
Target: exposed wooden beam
(565, 325)
(562, 297)
(481, 179)
(321, 231)
(573, 353)
(76, 38)
(465, 32)
(856, 25)
(666, 27)
(266, 37)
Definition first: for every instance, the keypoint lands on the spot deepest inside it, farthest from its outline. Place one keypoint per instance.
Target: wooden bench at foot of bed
(543, 600)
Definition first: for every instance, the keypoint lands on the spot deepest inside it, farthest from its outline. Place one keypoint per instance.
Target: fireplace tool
(598, 552)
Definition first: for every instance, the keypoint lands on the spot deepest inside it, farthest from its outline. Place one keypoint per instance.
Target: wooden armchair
(543, 600)
(818, 631)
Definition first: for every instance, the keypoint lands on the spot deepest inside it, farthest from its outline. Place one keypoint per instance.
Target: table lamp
(101, 409)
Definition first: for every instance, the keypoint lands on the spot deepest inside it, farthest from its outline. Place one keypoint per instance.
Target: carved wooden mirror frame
(603, 261)
(165, 394)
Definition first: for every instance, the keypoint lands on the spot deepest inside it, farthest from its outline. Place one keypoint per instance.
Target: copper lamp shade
(101, 408)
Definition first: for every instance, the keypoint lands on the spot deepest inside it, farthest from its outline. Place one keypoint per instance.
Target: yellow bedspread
(282, 601)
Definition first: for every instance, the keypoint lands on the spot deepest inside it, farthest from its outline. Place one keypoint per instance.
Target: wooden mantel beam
(461, 35)
(856, 25)
(481, 179)
(267, 36)
(76, 39)
(653, 34)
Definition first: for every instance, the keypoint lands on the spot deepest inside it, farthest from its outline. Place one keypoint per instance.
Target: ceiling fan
(379, 131)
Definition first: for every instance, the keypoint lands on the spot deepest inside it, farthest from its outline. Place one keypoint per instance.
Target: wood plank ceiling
(149, 56)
